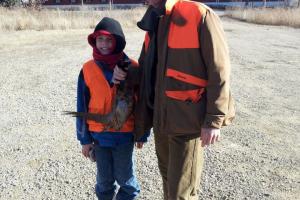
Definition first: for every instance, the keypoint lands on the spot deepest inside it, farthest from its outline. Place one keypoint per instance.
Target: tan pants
(180, 161)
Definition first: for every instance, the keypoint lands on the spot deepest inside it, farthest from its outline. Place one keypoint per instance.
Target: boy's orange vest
(101, 97)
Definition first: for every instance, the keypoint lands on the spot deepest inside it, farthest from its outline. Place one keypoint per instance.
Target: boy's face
(105, 44)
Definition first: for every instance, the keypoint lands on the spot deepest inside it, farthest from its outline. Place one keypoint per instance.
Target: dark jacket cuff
(213, 121)
(144, 138)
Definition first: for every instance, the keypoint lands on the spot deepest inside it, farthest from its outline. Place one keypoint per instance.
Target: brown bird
(122, 107)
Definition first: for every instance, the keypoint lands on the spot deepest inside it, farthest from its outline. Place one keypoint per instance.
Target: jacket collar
(169, 6)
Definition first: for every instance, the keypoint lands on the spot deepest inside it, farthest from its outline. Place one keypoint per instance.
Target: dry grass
(28, 19)
(277, 16)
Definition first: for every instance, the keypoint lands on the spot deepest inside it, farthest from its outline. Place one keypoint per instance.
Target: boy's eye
(104, 39)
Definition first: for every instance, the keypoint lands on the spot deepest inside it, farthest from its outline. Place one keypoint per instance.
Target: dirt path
(258, 157)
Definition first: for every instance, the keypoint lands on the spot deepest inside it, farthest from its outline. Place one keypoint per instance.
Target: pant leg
(185, 167)
(162, 152)
(105, 186)
(124, 172)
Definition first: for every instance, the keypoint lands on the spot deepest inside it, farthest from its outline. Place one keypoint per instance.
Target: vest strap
(187, 78)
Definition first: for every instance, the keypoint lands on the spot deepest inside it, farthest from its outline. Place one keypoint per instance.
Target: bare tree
(286, 3)
(9, 3)
(265, 3)
(37, 4)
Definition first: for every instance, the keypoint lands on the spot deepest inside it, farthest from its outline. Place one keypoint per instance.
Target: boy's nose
(104, 43)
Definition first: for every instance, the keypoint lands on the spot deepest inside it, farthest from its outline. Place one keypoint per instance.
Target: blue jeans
(115, 165)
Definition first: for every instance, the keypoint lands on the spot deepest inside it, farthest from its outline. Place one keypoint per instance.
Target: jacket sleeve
(216, 59)
(134, 72)
(142, 54)
(83, 98)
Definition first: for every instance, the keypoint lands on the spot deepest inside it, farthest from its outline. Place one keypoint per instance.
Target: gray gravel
(258, 157)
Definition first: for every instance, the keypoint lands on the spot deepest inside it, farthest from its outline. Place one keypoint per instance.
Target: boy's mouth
(105, 50)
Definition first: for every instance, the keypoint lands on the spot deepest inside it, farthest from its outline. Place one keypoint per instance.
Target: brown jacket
(191, 49)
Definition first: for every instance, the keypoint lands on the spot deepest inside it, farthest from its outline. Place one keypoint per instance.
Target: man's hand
(210, 136)
(139, 145)
(85, 149)
(118, 75)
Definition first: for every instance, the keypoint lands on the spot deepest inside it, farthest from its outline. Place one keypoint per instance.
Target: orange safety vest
(183, 35)
(101, 97)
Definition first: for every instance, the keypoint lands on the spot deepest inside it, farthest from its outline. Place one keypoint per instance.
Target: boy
(113, 149)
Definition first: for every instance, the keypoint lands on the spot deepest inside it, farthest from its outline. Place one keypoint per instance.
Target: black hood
(112, 26)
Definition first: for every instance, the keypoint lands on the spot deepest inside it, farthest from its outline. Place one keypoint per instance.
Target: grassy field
(29, 19)
(277, 16)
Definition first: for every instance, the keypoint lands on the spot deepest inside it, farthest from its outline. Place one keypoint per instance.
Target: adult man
(184, 89)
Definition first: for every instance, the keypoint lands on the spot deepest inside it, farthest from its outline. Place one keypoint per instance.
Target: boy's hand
(118, 75)
(85, 149)
(139, 145)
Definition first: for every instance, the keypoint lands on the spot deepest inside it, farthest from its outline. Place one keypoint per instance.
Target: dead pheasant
(122, 108)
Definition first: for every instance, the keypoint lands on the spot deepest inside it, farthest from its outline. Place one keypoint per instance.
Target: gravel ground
(258, 157)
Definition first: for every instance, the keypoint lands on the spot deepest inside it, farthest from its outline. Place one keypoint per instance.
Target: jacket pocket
(184, 87)
(184, 117)
(186, 95)
(185, 101)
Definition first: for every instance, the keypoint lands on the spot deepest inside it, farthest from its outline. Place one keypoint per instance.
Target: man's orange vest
(183, 34)
(101, 97)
